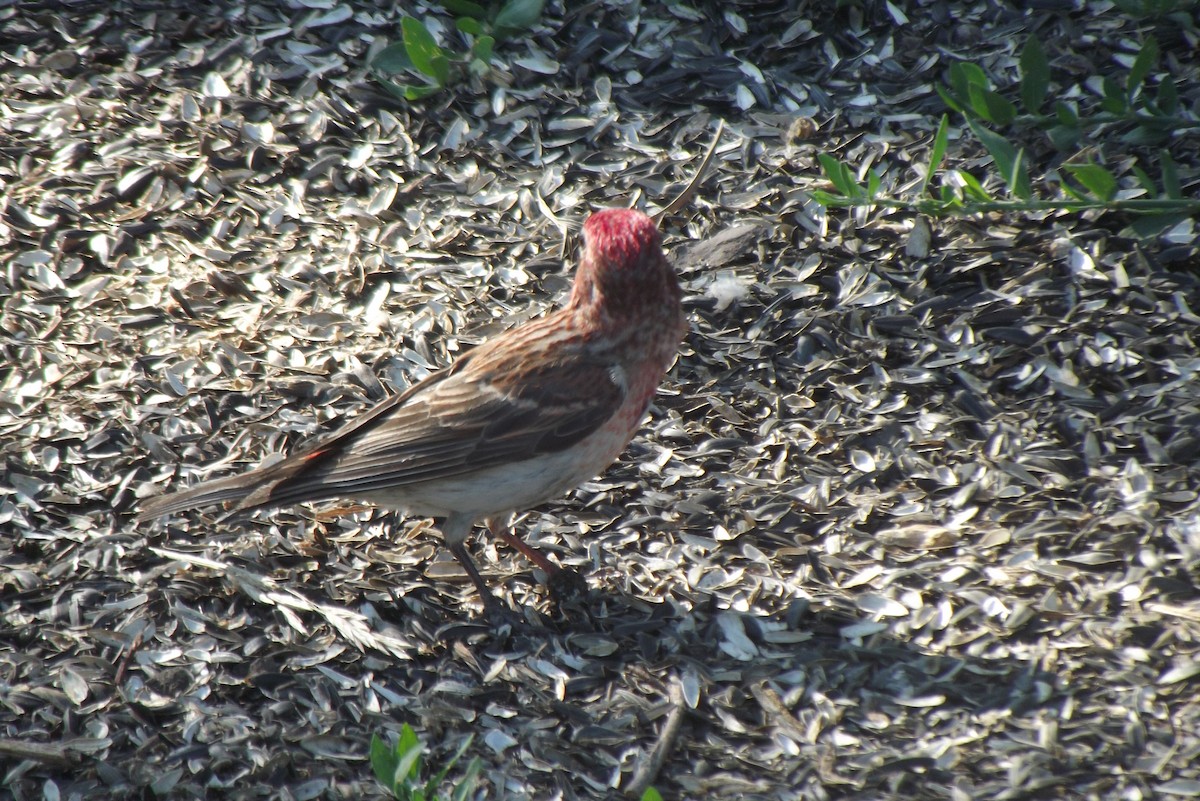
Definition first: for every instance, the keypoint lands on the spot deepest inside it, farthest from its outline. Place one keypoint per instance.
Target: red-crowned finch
(518, 420)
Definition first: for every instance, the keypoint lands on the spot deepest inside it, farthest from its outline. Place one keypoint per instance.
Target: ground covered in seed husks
(912, 517)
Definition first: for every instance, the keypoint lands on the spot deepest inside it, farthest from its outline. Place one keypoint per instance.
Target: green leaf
(950, 198)
(1168, 96)
(652, 794)
(991, 106)
(941, 140)
(1035, 75)
(830, 200)
(407, 771)
(971, 187)
(1064, 137)
(873, 182)
(463, 791)
(469, 25)
(1144, 180)
(426, 56)
(1114, 99)
(482, 49)
(1007, 158)
(1170, 176)
(517, 16)
(392, 59)
(1018, 177)
(1097, 180)
(840, 176)
(432, 785)
(419, 92)
(1145, 60)
(938, 208)
(383, 762)
(950, 100)
(1066, 115)
(409, 92)
(964, 75)
(408, 740)
(1145, 134)
(1078, 194)
(466, 8)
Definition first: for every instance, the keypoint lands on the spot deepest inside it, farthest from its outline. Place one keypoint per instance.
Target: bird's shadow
(624, 630)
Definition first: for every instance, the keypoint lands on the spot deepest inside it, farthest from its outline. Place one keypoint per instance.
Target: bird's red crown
(621, 237)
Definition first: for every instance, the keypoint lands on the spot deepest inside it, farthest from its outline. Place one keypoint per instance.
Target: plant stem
(935, 207)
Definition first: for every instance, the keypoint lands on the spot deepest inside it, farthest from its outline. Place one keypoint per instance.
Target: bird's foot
(566, 585)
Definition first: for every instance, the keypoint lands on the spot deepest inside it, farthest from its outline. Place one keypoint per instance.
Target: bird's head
(623, 269)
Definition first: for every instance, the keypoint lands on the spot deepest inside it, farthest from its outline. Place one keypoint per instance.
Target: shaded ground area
(906, 521)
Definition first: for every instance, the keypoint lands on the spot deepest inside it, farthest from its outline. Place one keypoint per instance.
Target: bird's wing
(454, 422)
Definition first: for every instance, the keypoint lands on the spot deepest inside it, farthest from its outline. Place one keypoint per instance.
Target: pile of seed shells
(915, 515)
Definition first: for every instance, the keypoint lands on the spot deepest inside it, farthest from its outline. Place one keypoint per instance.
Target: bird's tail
(234, 488)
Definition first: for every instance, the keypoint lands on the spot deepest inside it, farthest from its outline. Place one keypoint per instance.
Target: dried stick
(647, 769)
(686, 195)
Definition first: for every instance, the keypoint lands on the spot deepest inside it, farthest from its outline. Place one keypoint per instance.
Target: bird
(518, 420)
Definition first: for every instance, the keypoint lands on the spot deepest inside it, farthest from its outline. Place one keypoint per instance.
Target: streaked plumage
(518, 420)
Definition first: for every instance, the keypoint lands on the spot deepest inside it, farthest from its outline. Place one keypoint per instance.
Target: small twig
(56, 755)
(123, 666)
(648, 768)
(777, 712)
(682, 199)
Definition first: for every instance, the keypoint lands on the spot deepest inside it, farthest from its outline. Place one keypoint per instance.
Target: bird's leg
(563, 582)
(498, 527)
(495, 609)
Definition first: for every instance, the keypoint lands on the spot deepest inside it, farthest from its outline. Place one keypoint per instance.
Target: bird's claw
(566, 584)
